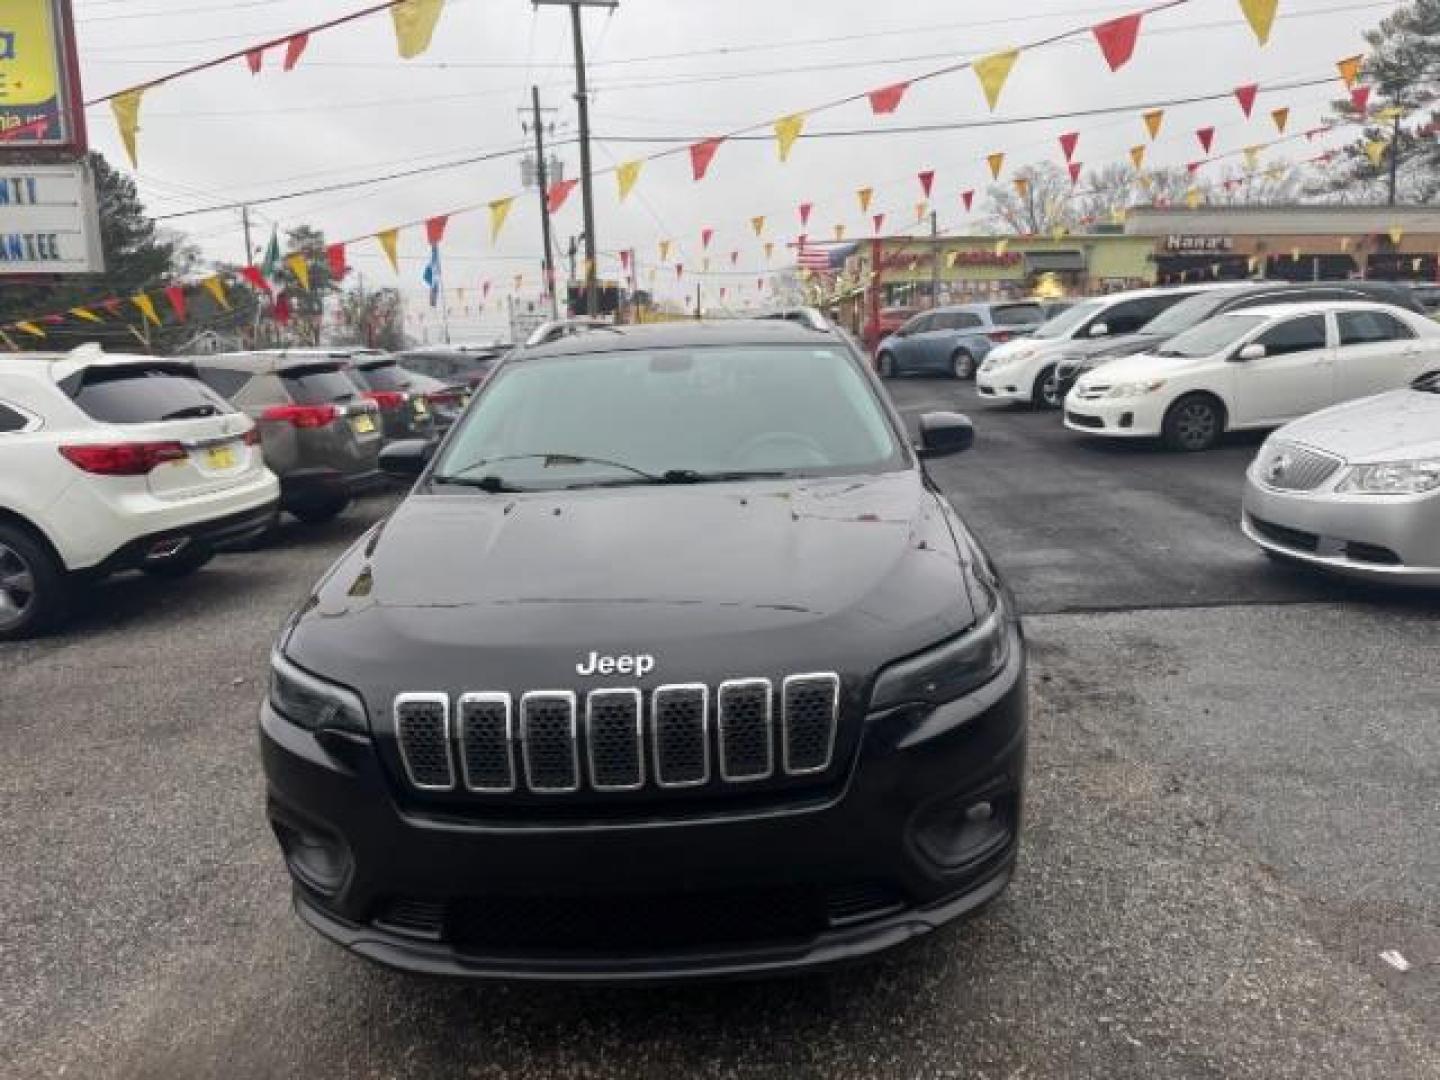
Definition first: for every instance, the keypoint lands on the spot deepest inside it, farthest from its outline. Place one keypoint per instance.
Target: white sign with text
(48, 220)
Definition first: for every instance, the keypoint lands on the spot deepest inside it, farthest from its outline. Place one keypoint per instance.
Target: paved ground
(1233, 812)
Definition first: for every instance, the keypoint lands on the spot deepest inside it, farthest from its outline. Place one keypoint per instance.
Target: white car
(1023, 370)
(113, 463)
(1256, 368)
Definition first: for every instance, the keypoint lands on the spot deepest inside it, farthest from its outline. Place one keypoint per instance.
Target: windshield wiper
(492, 484)
(552, 460)
(694, 476)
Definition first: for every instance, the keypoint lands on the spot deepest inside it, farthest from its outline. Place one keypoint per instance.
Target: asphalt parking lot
(1232, 813)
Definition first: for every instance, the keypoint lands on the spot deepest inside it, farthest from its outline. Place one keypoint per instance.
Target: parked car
(1057, 307)
(1425, 294)
(320, 436)
(112, 463)
(1024, 370)
(1254, 369)
(1083, 355)
(556, 329)
(1354, 489)
(888, 320)
(457, 367)
(401, 395)
(678, 599)
(954, 340)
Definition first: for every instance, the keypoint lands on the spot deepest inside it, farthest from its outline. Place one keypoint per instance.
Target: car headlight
(1006, 359)
(950, 670)
(1135, 389)
(312, 703)
(1393, 478)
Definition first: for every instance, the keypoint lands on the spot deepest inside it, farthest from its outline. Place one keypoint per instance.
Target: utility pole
(245, 223)
(934, 259)
(1394, 157)
(542, 182)
(570, 253)
(582, 100)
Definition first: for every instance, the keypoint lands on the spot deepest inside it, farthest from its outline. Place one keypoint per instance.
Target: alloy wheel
(963, 366)
(17, 587)
(1195, 424)
(1050, 389)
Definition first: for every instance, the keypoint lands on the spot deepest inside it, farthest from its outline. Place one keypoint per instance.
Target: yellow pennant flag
(499, 211)
(30, 328)
(415, 24)
(1375, 151)
(126, 108)
(951, 258)
(996, 163)
(664, 251)
(147, 307)
(1350, 70)
(769, 251)
(1022, 187)
(1396, 235)
(1192, 198)
(787, 130)
(1002, 246)
(865, 194)
(86, 314)
(215, 286)
(301, 269)
(390, 244)
(1261, 15)
(993, 72)
(1252, 157)
(1281, 118)
(1137, 156)
(1153, 119)
(758, 224)
(1389, 113)
(626, 175)
(839, 232)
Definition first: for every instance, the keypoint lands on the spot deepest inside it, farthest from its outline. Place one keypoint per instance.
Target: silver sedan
(1354, 489)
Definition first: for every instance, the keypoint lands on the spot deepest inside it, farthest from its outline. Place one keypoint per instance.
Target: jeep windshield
(684, 415)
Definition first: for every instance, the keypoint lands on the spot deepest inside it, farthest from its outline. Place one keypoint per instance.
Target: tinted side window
(957, 320)
(318, 385)
(1018, 315)
(386, 377)
(11, 420)
(223, 381)
(1294, 335)
(142, 395)
(1129, 316)
(919, 324)
(1369, 327)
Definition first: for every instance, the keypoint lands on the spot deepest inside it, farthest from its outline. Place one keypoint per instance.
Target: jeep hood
(1402, 425)
(461, 589)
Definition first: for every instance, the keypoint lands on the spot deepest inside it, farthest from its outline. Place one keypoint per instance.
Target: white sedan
(1257, 368)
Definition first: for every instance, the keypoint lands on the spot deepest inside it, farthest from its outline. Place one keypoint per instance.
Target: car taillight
(999, 337)
(386, 399)
(302, 416)
(122, 459)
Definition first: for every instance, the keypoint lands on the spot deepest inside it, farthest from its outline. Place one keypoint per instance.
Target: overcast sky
(353, 109)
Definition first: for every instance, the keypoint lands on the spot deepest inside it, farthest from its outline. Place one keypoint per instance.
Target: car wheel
(34, 588)
(182, 565)
(319, 511)
(1193, 424)
(886, 365)
(962, 365)
(1046, 393)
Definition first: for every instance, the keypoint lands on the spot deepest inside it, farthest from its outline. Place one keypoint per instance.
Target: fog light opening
(317, 860)
(966, 829)
(1127, 420)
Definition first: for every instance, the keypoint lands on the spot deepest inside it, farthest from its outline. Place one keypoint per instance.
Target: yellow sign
(32, 73)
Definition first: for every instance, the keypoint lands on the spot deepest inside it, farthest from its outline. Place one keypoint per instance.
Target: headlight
(948, 671)
(313, 703)
(1135, 389)
(1006, 359)
(1393, 478)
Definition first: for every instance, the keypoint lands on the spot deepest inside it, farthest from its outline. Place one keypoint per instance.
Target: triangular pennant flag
(625, 260)
(887, 98)
(30, 328)
(146, 307)
(294, 49)
(701, 154)
(664, 251)
(112, 306)
(1360, 99)
(1117, 39)
(968, 198)
(997, 163)
(1350, 70)
(1022, 187)
(626, 175)
(1281, 118)
(415, 24)
(1375, 151)
(1206, 135)
(335, 256)
(927, 181)
(390, 244)
(993, 71)
(499, 211)
(126, 108)
(558, 193)
(1261, 16)
(839, 232)
(435, 229)
(1137, 156)
(951, 258)
(301, 269)
(215, 286)
(787, 130)
(1002, 246)
(805, 209)
(706, 235)
(176, 295)
(255, 60)
(1068, 142)
(879, 222)
(1075, 168)
(865, 194)
(1245, 95)
(86, 314)
(256, 280)
(1153, 119)
(758, 224)
(281, 311)
(1193, 167)
(1192, 198)
(769, 250)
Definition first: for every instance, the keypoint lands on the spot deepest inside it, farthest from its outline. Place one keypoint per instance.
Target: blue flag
(432, 276)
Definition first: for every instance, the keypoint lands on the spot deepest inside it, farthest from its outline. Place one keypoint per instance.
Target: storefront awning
(1042, 262)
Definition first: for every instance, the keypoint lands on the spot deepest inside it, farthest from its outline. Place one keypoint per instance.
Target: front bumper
(1124, 418)
(1003, 384)
(880, 858)
(1385, 538)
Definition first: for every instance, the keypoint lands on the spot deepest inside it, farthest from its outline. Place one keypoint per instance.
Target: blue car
(954, 340)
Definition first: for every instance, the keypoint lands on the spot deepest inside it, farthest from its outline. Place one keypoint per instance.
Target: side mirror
(945, 433)
(1099, 329)
(1253, 351)
(407, 458)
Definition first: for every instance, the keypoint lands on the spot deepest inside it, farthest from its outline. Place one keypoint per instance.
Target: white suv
(114, 463)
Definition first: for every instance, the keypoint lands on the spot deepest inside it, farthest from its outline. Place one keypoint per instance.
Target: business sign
(48, 220)
(1198, 245)
(40, 102)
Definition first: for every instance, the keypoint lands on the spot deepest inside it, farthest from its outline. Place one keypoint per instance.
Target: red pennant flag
(1206, 135)
(1068, 142)
(53, 320)
(927, 181)
(1193, 167)
(558, 193)
(335, 255)
(879, 220)
(887, 98)
(435, 229)
(968, 198)
(294, 48)
(1075, 168)
(805, 209)
(701, 154)
(282, 310)
(255, 59)
(112, 306)
(255, 279)
(625, 261)
(1117, 39)
(1360, 98)
(1246, 96)
(706, 235)
(176, 295)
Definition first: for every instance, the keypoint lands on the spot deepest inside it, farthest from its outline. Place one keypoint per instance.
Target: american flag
(822, 258)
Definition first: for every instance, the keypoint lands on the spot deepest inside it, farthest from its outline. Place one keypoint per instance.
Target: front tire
(1046, 392)
(35, 590)
(1193, 424)
(885, 364)
(962, 365)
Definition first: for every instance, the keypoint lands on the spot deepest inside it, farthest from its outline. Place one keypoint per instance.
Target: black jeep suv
(674, 663)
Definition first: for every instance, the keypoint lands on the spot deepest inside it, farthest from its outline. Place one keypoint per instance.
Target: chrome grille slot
(743, 719)
(422, 732)
(613, 740)
(487, 737)
(808, 715)
(679, 716)
(548, 738)
(1288, 467)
